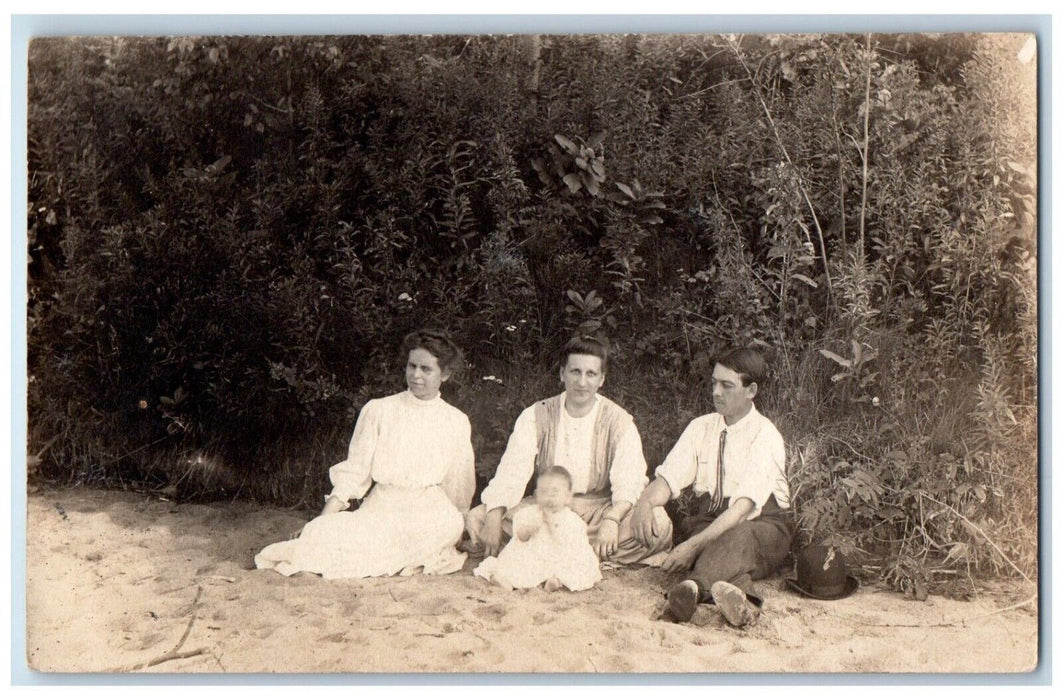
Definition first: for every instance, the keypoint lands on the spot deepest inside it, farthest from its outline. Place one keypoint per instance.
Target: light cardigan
(403, 441)
(614, 464)
(754, 460)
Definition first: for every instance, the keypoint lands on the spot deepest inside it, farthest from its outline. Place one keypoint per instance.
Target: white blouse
(573, 445)
(627, 472)
(403, 441)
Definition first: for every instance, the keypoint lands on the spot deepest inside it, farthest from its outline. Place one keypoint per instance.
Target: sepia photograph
(577, 353)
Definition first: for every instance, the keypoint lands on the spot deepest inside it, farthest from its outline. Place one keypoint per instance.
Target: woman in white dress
(414, 451)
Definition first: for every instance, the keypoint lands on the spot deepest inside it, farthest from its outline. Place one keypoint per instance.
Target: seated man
(597, 442)
(735, 460)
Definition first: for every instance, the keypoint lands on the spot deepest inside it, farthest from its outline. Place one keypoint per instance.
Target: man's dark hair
(585, 345)
(749, 364)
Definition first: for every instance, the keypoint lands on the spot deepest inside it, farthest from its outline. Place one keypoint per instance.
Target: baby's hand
(527, 526)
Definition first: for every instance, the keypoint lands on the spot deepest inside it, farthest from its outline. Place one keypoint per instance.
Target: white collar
(409, 398)
(742, 423)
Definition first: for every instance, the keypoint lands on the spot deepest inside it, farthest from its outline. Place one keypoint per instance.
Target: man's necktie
(717, 494)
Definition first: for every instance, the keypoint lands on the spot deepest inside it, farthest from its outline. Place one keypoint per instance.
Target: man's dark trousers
(751, 550)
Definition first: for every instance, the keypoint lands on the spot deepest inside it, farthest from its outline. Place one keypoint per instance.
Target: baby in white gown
(549, 544)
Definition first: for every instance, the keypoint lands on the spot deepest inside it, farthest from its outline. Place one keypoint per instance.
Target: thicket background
(228, 237)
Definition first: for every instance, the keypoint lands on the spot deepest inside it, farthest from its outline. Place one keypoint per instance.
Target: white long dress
(560, 551)
(417, 456)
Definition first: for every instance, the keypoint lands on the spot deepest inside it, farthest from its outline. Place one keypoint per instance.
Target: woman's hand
(333, 505)
(643, 523)
(492, 532)
(681, 558)
(608, 539)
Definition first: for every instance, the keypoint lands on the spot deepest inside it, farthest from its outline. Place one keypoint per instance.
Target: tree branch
(864, 152)
(786, 155)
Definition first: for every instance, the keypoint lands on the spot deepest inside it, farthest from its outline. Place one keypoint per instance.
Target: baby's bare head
(553, 489)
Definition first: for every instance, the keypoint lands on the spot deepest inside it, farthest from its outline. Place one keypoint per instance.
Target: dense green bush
(229, 237)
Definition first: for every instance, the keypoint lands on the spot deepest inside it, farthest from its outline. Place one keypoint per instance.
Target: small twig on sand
(591, 662)
(227, 579)
(169, 656)
(220, 664)
(393, 595)
(191, 620)
(961, 622)
(174, 590)
(176, 652)
(404, 615)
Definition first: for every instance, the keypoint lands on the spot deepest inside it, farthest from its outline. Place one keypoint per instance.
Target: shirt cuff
(630, 494)
(757, 503)
(346, 494)
(346, 501)
(670, 480)
(492, 501)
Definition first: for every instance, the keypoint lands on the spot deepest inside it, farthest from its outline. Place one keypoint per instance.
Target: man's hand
(681, 558)
(491, 535)
(608, 539)
(643, 523)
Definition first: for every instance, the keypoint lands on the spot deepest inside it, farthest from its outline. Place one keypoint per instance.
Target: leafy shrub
(230, 236)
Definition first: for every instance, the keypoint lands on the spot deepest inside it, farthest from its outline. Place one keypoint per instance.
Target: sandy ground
(131, 582)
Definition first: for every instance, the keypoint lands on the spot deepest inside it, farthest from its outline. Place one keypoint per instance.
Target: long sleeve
(627, 473)
(680, 467)
(764, 473)
(516, 467)
(351, 478)
(460, 481)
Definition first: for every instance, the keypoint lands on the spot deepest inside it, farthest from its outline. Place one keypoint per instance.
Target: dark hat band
(831, 590)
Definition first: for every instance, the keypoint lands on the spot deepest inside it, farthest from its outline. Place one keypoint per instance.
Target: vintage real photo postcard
(558, 353)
